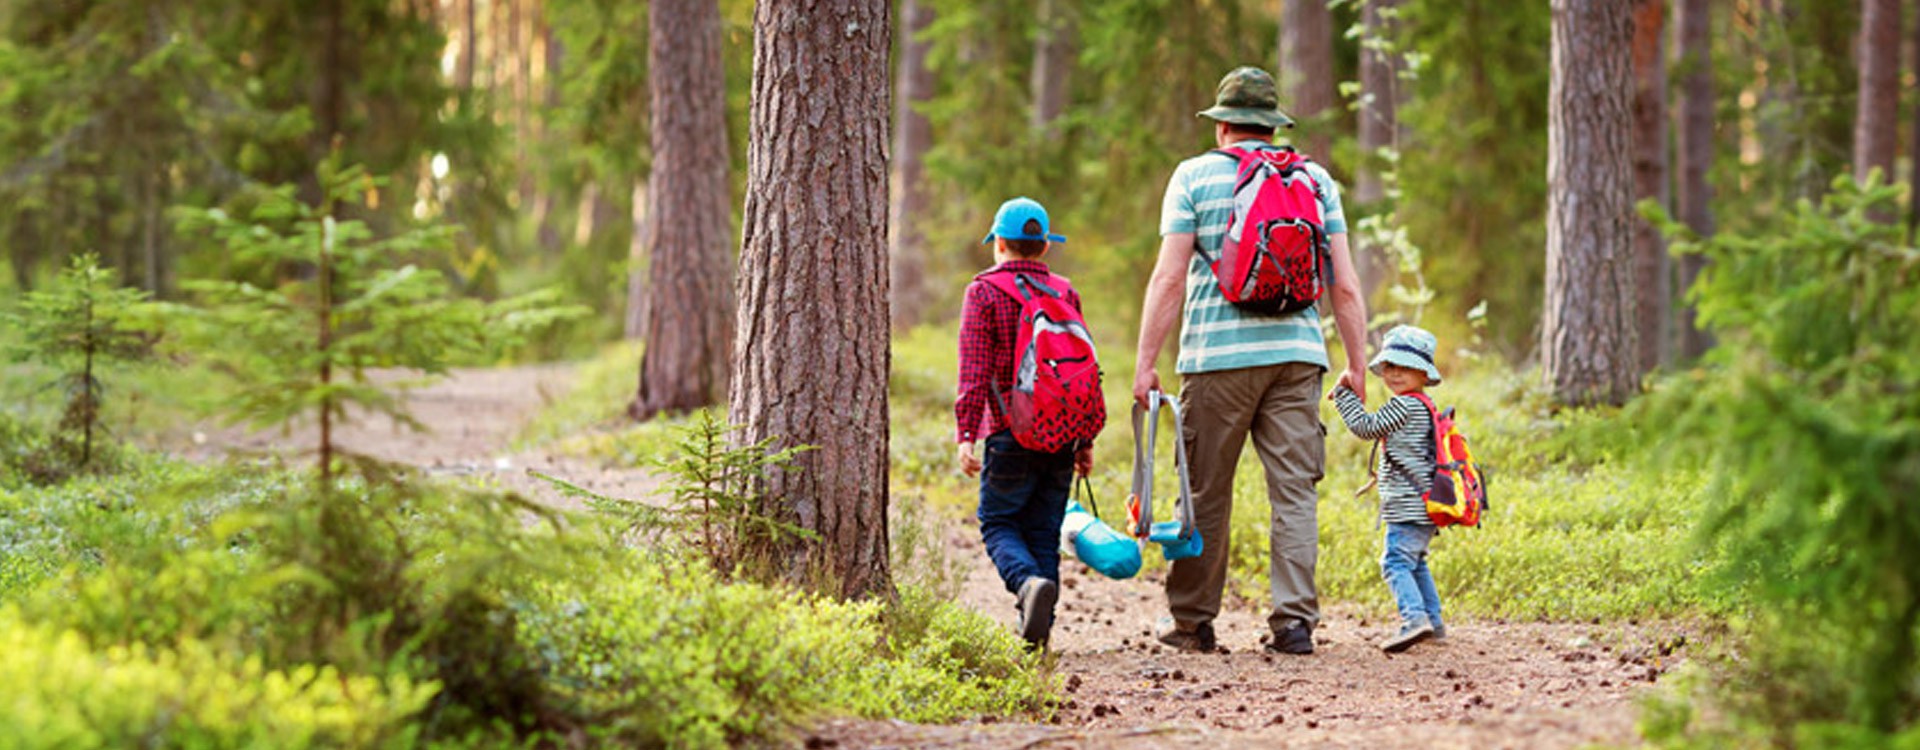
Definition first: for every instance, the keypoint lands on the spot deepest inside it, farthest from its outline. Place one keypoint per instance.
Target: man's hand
(969, 465)
(1144, 382)
(1355, 379)
(1083, 461)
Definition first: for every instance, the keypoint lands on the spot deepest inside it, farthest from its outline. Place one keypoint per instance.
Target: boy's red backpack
(1459, 493)
(1056, 402)
(1273, 259)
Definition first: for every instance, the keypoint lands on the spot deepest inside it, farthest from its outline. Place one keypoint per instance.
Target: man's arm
(1165, 291)
(1349, 316)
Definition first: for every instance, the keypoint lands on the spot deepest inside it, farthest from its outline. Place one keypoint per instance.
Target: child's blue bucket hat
(1410, 347)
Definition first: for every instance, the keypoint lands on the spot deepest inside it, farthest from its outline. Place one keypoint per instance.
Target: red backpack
(1056, 403)
(1273, 259)
(1459, 493)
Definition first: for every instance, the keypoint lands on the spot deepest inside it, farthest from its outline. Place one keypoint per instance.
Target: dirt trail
(473, 416)
(1489, 685)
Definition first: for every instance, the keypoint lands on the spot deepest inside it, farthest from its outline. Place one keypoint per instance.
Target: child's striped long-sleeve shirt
(1406, 463)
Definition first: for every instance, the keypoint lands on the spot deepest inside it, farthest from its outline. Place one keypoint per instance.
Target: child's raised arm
(1376, 425)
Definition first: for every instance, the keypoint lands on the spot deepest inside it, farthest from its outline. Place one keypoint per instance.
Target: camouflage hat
(1247, 96)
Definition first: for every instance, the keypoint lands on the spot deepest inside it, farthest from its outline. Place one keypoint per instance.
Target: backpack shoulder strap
(1433, 412)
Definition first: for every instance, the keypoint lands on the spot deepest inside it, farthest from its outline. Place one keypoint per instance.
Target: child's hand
(1083, 461)
(1337, 388)
(969, 465)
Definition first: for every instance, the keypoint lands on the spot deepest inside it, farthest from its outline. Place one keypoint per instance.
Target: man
(1245, 373)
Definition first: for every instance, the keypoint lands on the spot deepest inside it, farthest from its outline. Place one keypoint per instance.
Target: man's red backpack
(1274, 258)
(1459, 493)
(1056, 402)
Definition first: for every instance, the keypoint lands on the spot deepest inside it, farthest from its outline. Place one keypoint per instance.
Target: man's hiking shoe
(1200, 638)
(1408, 636)
(1037, 597)
(1294, 639)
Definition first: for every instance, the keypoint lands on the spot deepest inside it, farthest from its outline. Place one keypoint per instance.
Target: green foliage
(667, 655)
(83, 324)
(67, 694)
(304, 346)
(1810, 424)
(713, 505)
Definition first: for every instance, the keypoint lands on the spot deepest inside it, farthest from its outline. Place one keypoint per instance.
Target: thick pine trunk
(688, 332)
(1694, 151)
(1589, 346)
(1877, 115)
(811, 364)
(1651, 270)
(1381, 92)
(1306, 71)
(1053, 54)
(912, 136)
(1913, 155)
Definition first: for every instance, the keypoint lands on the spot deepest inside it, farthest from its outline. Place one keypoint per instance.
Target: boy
(1405, 473)
(1023, 493)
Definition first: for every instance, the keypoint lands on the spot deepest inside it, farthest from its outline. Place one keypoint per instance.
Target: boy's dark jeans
(1023, 496)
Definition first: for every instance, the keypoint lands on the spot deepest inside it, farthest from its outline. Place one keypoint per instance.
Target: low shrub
(66, 694)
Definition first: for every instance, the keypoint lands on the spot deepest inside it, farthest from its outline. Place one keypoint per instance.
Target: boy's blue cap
(1010, 221)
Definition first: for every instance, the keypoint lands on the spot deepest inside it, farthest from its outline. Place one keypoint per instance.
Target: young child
(1405, 473)
(1023, 493)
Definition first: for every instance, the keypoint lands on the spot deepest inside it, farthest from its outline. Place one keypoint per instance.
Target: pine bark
(1381, 92)
(1589, 345)
(1913, 181)
(1053, 54)
(1694, 152)
(1306, 71)
(689, 322)
(1877, 114)
(1652, 285)
(912, 136)
(810, 366)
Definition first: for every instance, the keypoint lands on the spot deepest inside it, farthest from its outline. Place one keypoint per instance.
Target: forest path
(1489, 685)
(473, 416)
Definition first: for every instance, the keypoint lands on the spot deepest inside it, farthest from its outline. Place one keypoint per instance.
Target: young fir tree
(349, 301)
(80, 325)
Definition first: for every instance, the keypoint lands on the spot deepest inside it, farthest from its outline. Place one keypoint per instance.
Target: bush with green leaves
(66, 694)
(663, 653)
(1808, 416)
(349, 300)
(79, 326)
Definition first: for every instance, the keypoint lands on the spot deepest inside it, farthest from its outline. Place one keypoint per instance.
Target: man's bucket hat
(1011, 220)
(1410, 347)
(1247, 96)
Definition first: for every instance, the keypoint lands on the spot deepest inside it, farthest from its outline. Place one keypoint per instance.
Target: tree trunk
(810, 367)
(1589, 346)
(636, 260)
(1381, 92)
(1913, 155)
(1877, 115)
(1652, 286)
(1306, 71)
(689, 325)
(1053, 54)
(1694, 150)
(912, 136)
(463, 72)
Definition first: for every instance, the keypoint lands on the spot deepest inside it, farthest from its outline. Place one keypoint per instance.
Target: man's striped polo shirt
(1215, 335)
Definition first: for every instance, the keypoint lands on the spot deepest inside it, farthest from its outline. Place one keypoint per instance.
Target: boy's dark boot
(1037, 597)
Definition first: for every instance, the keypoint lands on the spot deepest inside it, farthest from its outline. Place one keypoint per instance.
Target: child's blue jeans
(1023, 497)
(1404, 565)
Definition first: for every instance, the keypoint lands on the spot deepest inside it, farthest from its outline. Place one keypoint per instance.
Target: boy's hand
(1083, 461)
(969, 465)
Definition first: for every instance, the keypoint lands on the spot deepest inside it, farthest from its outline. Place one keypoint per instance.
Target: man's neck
(1236, 139)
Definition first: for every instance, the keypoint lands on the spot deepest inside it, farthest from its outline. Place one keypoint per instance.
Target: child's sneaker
(1409, 635)
(1037, 597)
(1439, 631)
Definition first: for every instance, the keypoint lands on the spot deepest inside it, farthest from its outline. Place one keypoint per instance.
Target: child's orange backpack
(1458, 494)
